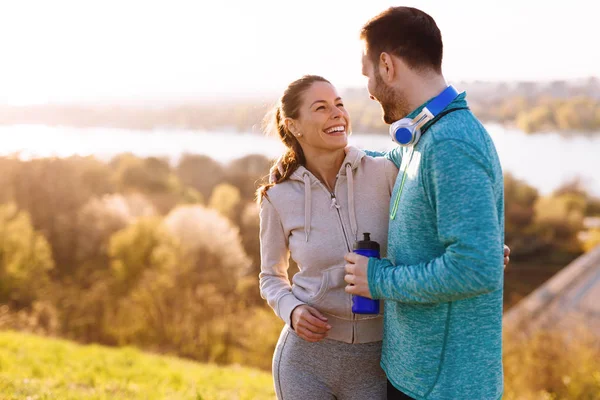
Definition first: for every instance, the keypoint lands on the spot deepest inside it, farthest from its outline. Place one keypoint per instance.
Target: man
(443, 279)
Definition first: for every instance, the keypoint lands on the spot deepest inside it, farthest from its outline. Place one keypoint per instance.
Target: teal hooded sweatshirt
(443, 279)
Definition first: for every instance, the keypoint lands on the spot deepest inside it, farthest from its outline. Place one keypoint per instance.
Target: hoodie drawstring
(307, 204)
(351, 209)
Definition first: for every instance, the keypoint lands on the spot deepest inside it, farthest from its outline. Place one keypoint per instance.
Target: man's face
(368, 70)
(393, 105)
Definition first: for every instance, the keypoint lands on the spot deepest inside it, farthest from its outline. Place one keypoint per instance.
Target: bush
(42, 318)
(225, 199)
(51, 191)
(182, 280)
(552, 365)
(201, 173)
(25, 259)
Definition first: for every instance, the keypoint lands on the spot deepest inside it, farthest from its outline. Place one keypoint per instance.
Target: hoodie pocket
(331, 297)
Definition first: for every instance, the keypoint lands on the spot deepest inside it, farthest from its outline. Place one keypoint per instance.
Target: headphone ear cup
(402, 132)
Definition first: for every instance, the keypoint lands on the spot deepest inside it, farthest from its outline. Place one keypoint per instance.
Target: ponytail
(288, 107)
(289, 161)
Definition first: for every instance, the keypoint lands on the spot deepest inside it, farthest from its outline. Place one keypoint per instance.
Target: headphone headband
(442, 101)
(407, 131)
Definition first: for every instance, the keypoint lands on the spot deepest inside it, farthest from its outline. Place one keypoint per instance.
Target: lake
(545, 161)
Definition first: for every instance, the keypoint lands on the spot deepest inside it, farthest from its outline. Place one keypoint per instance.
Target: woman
(315, 213)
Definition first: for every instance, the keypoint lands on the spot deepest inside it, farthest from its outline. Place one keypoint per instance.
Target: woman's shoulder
(280, 192)
(380, 172)
(378, 163)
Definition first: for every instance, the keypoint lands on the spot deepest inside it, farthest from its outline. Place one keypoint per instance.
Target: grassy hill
(37, 368)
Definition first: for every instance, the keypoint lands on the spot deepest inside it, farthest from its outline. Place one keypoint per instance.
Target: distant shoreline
(570, 108)
(545, 161)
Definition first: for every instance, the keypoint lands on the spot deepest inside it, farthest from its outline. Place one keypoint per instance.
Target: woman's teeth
(335, 129)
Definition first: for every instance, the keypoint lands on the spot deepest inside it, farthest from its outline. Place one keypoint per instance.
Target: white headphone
(407, 131)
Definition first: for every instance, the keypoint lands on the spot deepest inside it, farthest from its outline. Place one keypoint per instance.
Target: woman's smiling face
(323, 122)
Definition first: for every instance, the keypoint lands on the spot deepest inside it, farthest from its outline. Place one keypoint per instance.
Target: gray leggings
(327, 370)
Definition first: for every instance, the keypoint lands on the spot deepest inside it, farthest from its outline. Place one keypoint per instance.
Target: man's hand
(356, 275)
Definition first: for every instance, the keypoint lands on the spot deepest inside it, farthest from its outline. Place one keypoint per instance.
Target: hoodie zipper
(347, 246)
(340, 218)
(334, 198)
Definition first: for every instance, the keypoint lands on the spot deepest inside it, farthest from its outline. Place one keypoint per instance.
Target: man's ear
(386, 67)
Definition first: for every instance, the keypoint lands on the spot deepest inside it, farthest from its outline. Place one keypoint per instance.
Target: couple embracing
(435, 204)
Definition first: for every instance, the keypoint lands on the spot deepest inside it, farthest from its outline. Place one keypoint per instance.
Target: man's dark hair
(407, 33)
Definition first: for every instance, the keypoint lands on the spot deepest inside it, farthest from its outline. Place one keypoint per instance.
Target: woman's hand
(309, 323)
(506, 255)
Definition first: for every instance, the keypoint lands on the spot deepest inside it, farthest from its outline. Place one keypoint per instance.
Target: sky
(126, 50)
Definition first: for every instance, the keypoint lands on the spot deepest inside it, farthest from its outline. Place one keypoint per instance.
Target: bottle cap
(366, 243)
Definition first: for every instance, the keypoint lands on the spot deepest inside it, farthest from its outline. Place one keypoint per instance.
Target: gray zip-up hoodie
(300, 216)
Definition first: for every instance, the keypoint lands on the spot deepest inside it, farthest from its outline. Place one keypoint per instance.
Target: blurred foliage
(247, 173)
(225, 199)
(579, 114)
(552, 365)
(25, 259)
(51, 191)
(142, 246)
(546, 228)
(166, 257)
(593, 240)
(200, 172)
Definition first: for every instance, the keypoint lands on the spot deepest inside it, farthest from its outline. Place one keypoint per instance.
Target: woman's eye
(320, 108)
(340, 105)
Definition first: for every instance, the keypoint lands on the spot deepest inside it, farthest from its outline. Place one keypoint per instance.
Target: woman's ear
(292, 127)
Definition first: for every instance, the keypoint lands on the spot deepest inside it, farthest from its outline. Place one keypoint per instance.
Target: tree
(519, 199)
(225, 199)
(25, 258)
(154, 178)
(200, 172)
(190, 305)
(210, 244)
(558, 221)
(248, 173)
(98, 220)
(144, 245)
(537, 119)
(149, 175)
(51, 191)
(250, 234)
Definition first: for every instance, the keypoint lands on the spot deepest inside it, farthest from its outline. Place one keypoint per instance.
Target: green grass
(38, 368)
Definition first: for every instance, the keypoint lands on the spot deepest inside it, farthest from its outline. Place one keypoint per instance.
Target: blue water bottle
(367, 248)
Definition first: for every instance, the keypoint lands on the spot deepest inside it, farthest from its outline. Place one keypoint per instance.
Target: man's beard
(394, 106)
